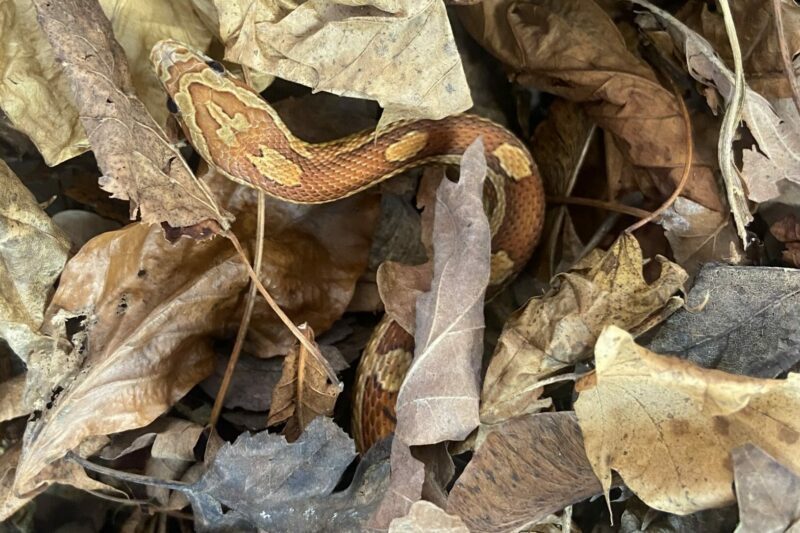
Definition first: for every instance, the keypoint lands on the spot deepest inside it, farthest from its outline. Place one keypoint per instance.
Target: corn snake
(236, 132)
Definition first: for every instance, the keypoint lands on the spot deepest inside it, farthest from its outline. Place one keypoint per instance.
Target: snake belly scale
(240, 135)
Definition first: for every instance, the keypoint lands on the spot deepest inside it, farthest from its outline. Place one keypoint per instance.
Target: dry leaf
(572, 49)
(251, 385)
(11, 404)
(449, 321)
(559, 329)
(304, 391)
(767, 492)
(138, 162)
(150, 309)
(138, 25)
(526, 469)
(758, 39)
(399, 286)
(778, 136)
(425, 517)
(741, 320)
(787, 231)
(33, 251)
(669, 427)
(401, 54)
(34, 92)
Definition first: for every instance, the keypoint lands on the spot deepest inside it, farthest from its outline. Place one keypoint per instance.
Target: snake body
(235, 131)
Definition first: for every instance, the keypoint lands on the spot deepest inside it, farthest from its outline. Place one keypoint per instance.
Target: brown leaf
(425, 517)
(34, 90)
(526, 469)
(450, 317)
(573, 49)
(669, 427)
(138, 162)
(402, 55)
(787, 230)
(33, 251)
(304, 391)
(150, 309)
(758, 39)
(768, 493)
(400, 286)
(11, 404)
(559, 329)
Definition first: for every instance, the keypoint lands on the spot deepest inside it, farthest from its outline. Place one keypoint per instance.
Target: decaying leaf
(425, 517)
(669, 427)
(149, 310)
(741, 320)
(138, 25)
(139, 163)
(777, 157)
(526, 469)
(399, 286)
(449, 320)
(559, 329)
(33, 251)
(571, 48)
(304, 391)
(295, 481)
(389, 45)
(787, 231)
(11, 398)
(768, 493)
(34, 92)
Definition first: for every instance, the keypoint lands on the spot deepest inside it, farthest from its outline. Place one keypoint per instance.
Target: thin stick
(687, 166)
(246, 316)
(276, 308)
(600, 204)
(127, 476)
(788, 68)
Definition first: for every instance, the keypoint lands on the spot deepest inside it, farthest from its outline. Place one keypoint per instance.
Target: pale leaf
(669, 427)
(559, 329)
(401, 54)
(33, 251)
(425, 517)
(449, 320)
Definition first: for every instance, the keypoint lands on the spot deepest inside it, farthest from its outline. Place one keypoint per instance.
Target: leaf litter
(655, 365)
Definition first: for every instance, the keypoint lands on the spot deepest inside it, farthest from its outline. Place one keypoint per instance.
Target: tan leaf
(34, 92)
(787, 231)
(572, 48)
(304, 391)
(131, 149)
(399, 286)
(401, 54)
(449, 318)
(11, 404)
(669, 427)
(425, 517)
(33, 251)
(767, 492)
(559, 329)
(526, 469)
(138, 25)
(150, 308)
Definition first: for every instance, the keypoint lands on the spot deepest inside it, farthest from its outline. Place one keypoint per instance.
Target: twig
(127, 476)
(246, 316)
(600, 204)
(687, 166)
(788, 68)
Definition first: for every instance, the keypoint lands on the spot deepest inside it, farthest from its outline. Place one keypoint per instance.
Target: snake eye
(172, 106)
(216, 66)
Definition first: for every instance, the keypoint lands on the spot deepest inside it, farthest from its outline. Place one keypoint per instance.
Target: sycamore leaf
(526, 469)
(559, 329)
(139, 163)
(449, 319)
(669, 427)
(33, 251)
(767, 492)
(34, 90)
(304, 391)
(390, 45)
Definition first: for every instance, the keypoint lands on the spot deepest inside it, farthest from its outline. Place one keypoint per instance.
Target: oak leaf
(559, 329)
(669, 427)
(389, 45)
(304, 391)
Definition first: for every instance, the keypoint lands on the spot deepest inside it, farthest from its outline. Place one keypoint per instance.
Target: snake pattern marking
(240, 135)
